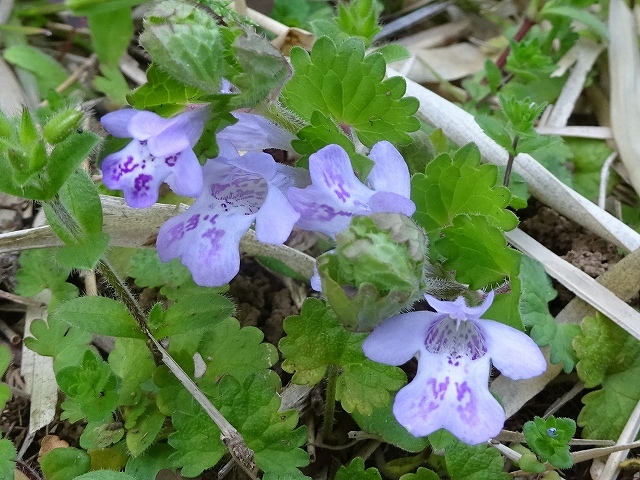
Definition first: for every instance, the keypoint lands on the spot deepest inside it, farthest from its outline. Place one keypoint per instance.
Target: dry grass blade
(624, 68)
(38, 373)
(460, 127)
(130, 227)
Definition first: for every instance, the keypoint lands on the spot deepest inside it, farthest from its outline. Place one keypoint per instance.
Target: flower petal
(206, 243)
(136, 173)
(511, 351)
(458, 308)
(396, 340)
(253, 132)
(334, 196)
(179, 133)
(443, 395)
(389, 202)
(117, 123)
(276, 217)
(144, 125)
(390, 172)
(186, 178)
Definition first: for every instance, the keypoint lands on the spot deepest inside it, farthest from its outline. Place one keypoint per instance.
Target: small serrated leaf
(315, 340)
(457, 185)
(466, 462)
(348, 87)
(549, 439)
(356, 471)
(477, 250)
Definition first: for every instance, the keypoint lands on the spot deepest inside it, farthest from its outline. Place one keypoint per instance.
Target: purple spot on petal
(142, 182)
(171, 160)
(192, 222)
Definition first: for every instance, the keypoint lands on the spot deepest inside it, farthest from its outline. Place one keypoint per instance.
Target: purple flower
(161, 150)
(253, 132)
(455, 347)
(336, 195)
(238, 190)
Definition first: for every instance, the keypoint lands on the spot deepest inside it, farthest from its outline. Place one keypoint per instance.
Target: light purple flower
(336, 195)
(161, 149)
(253, 132)
(238, 190)
(455, 347)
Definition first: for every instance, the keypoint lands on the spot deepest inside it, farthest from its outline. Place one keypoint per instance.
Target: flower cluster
(455, 349)
(235, 191)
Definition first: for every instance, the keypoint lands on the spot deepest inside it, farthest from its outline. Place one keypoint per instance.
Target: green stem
(330, 403)
(507, 171)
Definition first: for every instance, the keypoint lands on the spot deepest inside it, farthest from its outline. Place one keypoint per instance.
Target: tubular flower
(336, 195)
(455, 347)
(161, 149)
(238, 191)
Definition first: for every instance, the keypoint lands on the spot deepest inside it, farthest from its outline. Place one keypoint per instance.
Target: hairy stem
(507, 171)
(330, 403)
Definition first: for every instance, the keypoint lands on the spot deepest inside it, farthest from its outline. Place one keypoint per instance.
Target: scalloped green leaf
(348, 87)
(161, 89)
(132, 363)
(537, 292)
(39, 270)
(230, 350)
(457, 185)
(382, 422)
(549, 439)
(477, 250)
(479, 462)
(316, 340)
(253, 408)
(611, 357)
(356, 471)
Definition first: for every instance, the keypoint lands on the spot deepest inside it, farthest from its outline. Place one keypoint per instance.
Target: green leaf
(477, 250)
(421, 474)
(588, 157)
(101, 434)
(7, 458)
(465, 462)
(611, 357)
(348, 87)
(581, 15)
(90, 388)
(65, 158)
(105, 475)
(549, 439)
(145, 429)
(65, 463)
(161, 89)
(150, 462)
(113, 84)
(537, 292)
(199, 311)
(253, 408)
(263, 68)
(394, 52)
(460, 185)
(315, 340)
(48, 72)
(89, 7)
(359, 18)
(356, 471)
(38, 271)
(186, 42)
(497, 130)
(111, 32)
(54, 338)
(99, 315)
(382, 422)
(133, 364)
(149, 271)
(230, 350)
(78, 199)
(298, 13)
